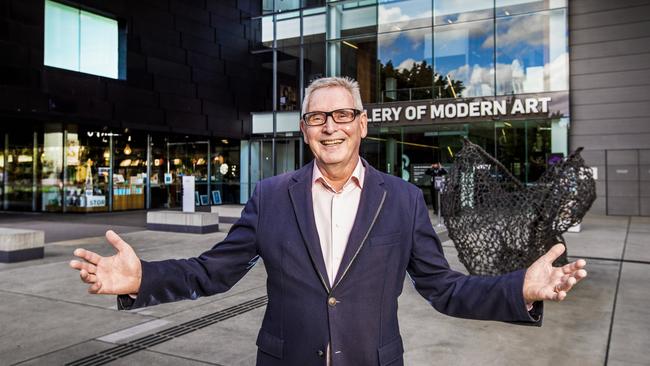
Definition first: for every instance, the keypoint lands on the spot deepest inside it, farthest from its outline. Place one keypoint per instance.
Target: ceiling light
(350, 45)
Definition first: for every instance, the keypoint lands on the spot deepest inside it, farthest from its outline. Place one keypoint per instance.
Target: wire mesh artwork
(497, 223)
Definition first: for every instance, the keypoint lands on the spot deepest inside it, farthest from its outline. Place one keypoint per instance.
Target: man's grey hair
(348, 83)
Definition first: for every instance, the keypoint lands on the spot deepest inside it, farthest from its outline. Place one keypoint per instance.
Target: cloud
(520, 30)
(407, 64)
(513, 77)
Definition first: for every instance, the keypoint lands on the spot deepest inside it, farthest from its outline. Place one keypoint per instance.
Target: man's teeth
(331, 142)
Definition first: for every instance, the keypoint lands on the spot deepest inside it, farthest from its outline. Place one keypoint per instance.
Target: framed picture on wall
(216, 197)
(205, 200)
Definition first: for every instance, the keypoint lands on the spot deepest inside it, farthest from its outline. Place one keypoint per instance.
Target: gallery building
(106, 105)
(528, 80)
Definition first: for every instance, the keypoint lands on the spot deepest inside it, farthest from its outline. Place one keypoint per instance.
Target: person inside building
(337, 238)
(437, 173)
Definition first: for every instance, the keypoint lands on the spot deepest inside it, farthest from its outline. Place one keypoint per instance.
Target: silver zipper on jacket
(381, 204)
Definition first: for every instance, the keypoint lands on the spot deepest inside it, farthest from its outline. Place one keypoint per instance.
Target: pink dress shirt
(335, 213)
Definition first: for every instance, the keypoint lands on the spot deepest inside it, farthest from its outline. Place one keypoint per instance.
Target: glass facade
(60, 167)
(435, 53)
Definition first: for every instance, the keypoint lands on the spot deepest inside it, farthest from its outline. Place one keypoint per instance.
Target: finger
(94, 289)
(89, 256)
(90, 268)
(559, 296)
(116, 241)
(554, 253)
(574, 266)
(566, 285)
(87, 277)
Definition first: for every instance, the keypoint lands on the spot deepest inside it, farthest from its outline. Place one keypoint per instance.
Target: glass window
(225, 172)
(356, 58)
(129, 171)
(313, 61)
(80, 41)
(350, 18)
(406, 69)
(87, 170)
(267, 31)
(454, 11)
(51, 158)
(288, 77)
(400, 15)
(464, 59)
(287, 29)
(532, 53)
(270, 6)
(512, 7)
(313, 21)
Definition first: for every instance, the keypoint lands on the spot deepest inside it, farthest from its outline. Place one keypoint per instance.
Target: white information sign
(188, 193)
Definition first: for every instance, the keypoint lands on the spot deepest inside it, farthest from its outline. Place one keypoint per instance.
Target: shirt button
(321, 353)
(331, 301)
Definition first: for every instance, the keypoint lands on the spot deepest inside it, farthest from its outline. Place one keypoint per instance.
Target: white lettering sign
(475, 109)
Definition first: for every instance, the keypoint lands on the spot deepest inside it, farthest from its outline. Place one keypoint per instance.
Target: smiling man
(337, 238)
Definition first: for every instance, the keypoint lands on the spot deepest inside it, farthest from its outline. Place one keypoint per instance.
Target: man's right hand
(119, 274)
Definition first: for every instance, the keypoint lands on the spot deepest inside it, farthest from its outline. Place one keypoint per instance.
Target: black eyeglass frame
(331, 114)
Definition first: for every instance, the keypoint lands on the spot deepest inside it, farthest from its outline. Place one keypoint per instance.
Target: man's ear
(303, 128)
(363, 122)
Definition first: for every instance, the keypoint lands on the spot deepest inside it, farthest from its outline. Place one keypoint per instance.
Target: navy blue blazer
(391, 235)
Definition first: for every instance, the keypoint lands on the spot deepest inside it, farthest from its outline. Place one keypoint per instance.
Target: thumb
(553, 253)
(116, 241)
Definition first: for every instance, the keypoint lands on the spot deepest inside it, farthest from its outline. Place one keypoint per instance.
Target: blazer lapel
(372, 199)
(300, 193)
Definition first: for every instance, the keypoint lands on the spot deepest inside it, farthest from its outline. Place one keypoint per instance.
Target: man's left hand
(545, 282)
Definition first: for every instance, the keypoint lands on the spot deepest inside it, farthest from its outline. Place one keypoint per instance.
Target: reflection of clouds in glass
(415, 44)
(456, 11)
(405, 14)
(516, 32)
(478, 81)
(407, 64)
(514, 78)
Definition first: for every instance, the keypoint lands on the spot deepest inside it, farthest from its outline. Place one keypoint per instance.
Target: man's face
(335, 145)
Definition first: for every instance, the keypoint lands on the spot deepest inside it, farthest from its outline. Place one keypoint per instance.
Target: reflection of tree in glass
(415, 83)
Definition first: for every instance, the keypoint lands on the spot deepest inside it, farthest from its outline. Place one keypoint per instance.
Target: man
(435, 171)
(337, 238)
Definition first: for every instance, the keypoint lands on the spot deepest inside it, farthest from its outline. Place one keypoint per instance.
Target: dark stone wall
(610, 98)
(189, 68)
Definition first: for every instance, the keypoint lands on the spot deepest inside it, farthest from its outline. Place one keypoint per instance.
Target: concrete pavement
(48, 318)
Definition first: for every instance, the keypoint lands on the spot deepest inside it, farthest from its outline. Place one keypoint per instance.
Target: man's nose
(330, 126)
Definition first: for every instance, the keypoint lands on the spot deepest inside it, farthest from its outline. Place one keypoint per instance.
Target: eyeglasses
(317, 118)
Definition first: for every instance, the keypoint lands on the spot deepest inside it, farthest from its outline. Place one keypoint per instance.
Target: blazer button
(331, 301)
(321, 353)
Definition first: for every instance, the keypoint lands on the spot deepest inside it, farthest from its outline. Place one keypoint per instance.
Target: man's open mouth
(331, 142)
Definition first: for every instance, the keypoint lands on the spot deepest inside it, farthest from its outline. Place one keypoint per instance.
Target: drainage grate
(168, 334)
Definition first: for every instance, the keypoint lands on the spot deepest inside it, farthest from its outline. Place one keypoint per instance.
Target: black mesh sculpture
(497, 223)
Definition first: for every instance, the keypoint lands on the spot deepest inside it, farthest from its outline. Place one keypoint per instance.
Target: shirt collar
(356, 177)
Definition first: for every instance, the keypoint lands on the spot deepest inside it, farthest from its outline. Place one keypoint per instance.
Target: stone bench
(183, 222)
(18, 245)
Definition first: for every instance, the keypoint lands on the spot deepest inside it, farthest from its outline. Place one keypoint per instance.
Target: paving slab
(631, 329)
(34, 326)
(601, 237)
(574, 331)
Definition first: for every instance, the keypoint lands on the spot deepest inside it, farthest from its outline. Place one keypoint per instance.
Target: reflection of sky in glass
(456, 11)
(399, 15)
(532, 53)
(405, 48)
(465, 53)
